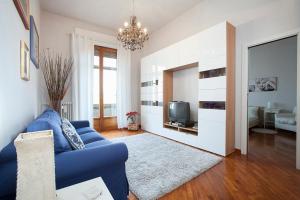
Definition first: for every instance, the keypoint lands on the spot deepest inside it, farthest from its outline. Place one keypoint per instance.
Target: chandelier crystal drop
(132, 35)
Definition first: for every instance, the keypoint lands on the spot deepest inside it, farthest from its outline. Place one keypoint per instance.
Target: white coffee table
(94, 189)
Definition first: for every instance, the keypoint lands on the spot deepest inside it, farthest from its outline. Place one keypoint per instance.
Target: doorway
(105, 88)
(272, 101)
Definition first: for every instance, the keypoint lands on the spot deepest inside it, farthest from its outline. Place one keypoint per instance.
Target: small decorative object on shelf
(132, 121)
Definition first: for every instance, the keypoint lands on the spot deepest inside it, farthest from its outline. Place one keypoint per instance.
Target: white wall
(285, 17)
(56, 35)
(276, 59)
(254, 20)
(185, 88)
(204, 15)
(19, 99)
(56, 31)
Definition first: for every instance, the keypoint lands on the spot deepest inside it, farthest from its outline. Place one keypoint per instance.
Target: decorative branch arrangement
(57, 74)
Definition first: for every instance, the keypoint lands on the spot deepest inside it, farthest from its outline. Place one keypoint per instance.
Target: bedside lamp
(35, 161)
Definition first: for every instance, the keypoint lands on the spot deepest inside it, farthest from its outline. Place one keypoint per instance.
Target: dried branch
(57, 74)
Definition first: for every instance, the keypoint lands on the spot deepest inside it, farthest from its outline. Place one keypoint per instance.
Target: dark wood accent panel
(167, 92)
(230, 91)
(217, 105)
(149, 83)
(212, 73)
(151, 103)
(183, 67)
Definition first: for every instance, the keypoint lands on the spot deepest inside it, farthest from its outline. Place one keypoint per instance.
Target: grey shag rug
(157, 165)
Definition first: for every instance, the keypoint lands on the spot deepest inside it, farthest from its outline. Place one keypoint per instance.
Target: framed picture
(23, 9)
(34, 43)
(263, 84)
(24, 61)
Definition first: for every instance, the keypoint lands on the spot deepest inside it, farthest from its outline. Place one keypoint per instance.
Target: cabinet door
(170, 56)
(189, 50)
(213, 48)
(212, 83)
(211, 130)
(212, 95)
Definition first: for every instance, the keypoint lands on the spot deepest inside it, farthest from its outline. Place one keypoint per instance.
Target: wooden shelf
(181, 129)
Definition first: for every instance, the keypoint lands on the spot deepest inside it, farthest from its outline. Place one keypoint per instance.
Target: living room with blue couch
(100, 158)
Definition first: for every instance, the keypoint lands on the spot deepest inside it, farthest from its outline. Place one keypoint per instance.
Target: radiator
(67, 110)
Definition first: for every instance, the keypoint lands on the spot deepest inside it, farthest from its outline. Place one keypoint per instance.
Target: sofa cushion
(71, 135)
(8, 153)
(98, 143)
(84, 130)
(50, 120)
(91, 137)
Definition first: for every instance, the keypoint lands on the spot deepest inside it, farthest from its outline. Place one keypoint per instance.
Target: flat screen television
(179, 112)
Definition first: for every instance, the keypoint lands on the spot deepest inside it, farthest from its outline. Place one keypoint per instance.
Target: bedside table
(272, 112)
(94, 189)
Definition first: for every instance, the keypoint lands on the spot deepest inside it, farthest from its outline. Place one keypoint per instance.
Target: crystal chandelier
(133, 36)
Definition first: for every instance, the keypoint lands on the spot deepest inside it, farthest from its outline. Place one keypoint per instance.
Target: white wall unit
(212, 115)
(209, 94)
(212, 83)
(189, 50)
(211, 49)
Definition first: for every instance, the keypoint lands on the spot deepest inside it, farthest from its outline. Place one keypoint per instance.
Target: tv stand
(181, 129)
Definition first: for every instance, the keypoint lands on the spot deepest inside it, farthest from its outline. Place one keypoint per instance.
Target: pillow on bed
(252, 112)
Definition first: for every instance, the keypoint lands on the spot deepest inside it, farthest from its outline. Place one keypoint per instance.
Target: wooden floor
(268, 172)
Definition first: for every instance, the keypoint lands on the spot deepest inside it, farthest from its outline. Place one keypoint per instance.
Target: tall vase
(35, 161)
(56, 105)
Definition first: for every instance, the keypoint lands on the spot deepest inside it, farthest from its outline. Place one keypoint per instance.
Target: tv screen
(179, 112)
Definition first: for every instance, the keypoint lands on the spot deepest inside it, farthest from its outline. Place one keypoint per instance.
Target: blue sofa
(100, 157)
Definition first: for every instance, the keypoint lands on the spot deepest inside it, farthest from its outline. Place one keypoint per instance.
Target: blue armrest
(80, 124)
(89, 160)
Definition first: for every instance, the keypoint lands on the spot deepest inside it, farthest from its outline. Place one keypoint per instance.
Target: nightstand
(269, 116)
(94, 189)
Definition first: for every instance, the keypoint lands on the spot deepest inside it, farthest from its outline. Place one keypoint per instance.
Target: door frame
(112, 120)
(244, 105)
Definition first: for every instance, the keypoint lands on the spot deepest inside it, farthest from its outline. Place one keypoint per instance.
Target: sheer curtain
(82, 86)
(124, 87)
(82, 89)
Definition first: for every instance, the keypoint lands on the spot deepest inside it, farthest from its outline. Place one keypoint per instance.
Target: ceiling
(113, 13)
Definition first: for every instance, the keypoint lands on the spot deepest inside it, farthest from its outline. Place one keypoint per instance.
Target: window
(109, 85)
(105, 82)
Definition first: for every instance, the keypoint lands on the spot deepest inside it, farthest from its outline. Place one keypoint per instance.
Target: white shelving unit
(213, 52)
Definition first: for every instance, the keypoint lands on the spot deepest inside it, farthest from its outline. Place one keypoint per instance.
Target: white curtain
(82, 82)
(82, 91)
(124, 87)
